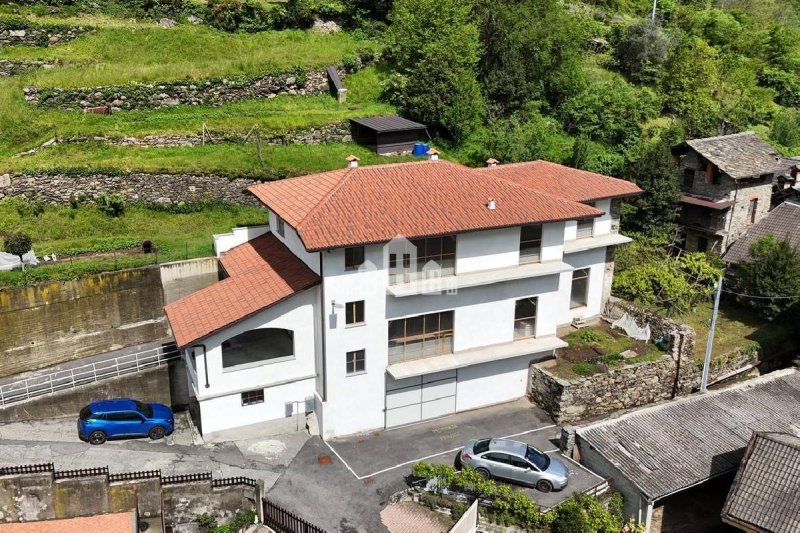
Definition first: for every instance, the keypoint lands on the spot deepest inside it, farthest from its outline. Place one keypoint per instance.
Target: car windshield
(480, 446)
(145, 409)
(86, 413)
(541, 460)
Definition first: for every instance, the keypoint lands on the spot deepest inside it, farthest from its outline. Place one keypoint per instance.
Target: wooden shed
(387, 135)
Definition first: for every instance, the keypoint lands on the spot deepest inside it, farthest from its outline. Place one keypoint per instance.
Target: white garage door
(421, 398)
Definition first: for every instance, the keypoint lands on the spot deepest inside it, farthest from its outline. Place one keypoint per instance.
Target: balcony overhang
(475, 356)
(694, 200)
(599, 241)
(435, 285)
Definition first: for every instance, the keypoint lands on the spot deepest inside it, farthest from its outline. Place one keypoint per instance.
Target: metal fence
(284, 521)
(37, 386)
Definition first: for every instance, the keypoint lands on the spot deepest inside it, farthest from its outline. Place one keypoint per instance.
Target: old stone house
(727, 187)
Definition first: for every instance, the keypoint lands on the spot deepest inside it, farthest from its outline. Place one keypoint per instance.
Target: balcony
(474, 356)
(598, 241)
(430, 283)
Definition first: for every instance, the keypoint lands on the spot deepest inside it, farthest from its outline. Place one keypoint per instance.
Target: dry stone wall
(212, 92)
(21, 33)
(58, 188)
(15, 67)
(676, 373)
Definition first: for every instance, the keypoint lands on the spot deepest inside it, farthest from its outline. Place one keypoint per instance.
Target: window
(440, 250)
(586, 226)
(280, 227)
(702, 244)
(580, 288)
(498, 458)
(354, 313)
(420, 336)
(688, 178)
(253, 397)
(536, 457)
(530, 244)
(751, 214)
(353, 258)
(124, 416)
(356, 361)
(712, 174)
(256, 347)
(525, 318)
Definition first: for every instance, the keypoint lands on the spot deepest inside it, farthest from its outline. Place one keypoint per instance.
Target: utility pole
(653, 15)
(710, 344)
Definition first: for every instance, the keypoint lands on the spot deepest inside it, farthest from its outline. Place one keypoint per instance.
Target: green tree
(18, 244)
(772, 271)
(642, 50)
(786, 128)
(435, 48)
(225, 15)
(689, 82)
(531, 51)
(656, 209)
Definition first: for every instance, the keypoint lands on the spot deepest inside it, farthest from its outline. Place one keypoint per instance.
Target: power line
(762, 297)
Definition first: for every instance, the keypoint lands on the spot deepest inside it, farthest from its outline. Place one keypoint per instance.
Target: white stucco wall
(602, 225)
(594, 260)
(552, 241)
(485, 250)
(293, 242)
(225, 241)
(226, 412)
(490, 383)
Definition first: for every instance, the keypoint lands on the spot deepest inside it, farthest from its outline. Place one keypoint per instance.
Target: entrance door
(420, 398)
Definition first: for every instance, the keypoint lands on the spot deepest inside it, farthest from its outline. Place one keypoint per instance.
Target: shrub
(18, 244)
(589, 335)
(225, 15)
(111, 205)
(771, 271)
(585, 369)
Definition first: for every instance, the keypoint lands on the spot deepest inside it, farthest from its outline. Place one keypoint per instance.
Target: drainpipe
(205, 361)
(322, 329)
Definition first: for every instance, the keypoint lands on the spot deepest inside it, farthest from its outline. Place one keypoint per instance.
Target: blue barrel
(420, 149)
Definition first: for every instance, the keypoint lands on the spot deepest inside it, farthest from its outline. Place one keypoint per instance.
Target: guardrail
(37, 386)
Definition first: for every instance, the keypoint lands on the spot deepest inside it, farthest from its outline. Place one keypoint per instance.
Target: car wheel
(97, 437)
(485, 474)
(544, 486)
(156, 432)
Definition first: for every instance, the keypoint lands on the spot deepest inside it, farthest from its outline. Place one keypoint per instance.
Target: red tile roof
(565, 182)
(102, 523)
(372, 204)
(262, 273)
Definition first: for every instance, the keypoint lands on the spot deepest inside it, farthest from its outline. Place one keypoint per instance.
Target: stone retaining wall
(676, 373)
(212, 91)
(58, 188)
(18, 33)
(15, 67)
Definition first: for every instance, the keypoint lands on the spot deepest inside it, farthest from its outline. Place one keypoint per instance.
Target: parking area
(391, 453)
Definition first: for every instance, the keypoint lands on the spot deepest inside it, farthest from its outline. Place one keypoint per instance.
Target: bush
(225, 15)
(786, 128)
(111, 205)
(17, 244)
(642, 50)
(771, 271)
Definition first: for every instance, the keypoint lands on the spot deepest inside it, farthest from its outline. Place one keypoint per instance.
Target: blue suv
(124, 417)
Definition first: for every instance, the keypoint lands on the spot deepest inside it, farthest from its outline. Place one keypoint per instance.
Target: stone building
(727, 187)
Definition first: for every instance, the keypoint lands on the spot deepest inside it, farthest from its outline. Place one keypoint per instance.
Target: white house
(381, 296)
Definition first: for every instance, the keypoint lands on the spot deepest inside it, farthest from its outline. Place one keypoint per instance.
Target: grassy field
(69, 232)
(735, 327)
(227, 159)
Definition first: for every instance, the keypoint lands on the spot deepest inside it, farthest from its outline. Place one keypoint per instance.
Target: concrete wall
(148, 386)
(52, 323)
(182, 278)
(39, 496)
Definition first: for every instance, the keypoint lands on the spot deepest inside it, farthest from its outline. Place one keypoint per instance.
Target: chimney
(352, 161)
(433, 154)
(491, 205)
(491, 162)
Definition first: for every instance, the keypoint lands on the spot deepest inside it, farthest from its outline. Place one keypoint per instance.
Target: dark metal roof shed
(386, 124)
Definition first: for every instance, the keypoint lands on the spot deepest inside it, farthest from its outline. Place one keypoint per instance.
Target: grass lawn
(23, 126)
(735, 327)
(148, 53)
(228, 159)
(69, 232)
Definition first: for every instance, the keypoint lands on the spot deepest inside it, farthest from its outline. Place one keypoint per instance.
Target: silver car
(515, 461)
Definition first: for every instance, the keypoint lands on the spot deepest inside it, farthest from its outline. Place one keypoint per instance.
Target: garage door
(421, 398)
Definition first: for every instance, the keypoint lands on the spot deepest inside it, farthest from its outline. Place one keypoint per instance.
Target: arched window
(258, 346)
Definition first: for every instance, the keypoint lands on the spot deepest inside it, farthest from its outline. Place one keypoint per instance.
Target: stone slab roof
(766, 492)
(740, 155)
(674, 445)
(783, 222)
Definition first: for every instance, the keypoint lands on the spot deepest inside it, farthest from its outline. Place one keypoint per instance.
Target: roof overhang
(694, 200)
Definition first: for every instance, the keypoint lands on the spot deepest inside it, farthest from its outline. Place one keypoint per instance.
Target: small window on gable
(280, 227)
(712, 174)
(353, 258)
(356, 362)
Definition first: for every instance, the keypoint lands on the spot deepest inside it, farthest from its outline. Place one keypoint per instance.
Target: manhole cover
(324, 459)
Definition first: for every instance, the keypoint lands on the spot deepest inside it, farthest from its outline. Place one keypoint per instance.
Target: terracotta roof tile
(262, 273)
(374, 204)
(102, 523)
